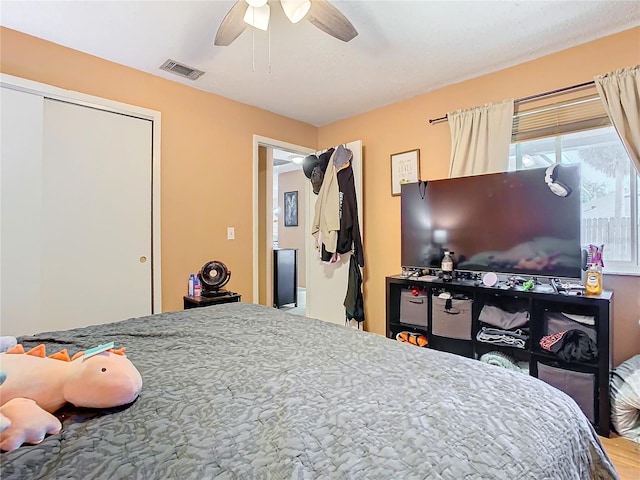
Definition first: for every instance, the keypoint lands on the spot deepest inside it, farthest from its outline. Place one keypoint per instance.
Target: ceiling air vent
(182, 70)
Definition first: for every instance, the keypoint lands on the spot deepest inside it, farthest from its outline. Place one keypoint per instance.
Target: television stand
(587, 382)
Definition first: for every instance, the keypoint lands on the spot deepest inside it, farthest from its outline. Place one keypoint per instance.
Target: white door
(87, 256)
(327, 283)
(20, 211)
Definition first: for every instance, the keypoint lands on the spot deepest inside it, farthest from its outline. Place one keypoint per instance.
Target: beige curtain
(480, 139)
(620, 93)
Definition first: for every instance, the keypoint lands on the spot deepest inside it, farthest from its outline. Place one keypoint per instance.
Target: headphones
(550, 178)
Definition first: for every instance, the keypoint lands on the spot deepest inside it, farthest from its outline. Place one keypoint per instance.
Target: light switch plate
(231, 233)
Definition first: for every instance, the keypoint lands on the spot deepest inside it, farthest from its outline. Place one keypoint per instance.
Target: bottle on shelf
(447, 267)
(197, 288)
(593, 280)
(593, 277)
(192, 284)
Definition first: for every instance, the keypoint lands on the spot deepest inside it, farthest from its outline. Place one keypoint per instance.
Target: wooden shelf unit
(536, 303)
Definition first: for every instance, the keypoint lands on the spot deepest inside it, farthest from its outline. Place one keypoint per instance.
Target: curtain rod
(531, 97)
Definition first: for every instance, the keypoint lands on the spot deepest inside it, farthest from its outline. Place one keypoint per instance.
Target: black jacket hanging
(349, 235)
(354, 301)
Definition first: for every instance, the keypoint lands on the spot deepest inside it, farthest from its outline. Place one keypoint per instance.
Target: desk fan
(213, 276)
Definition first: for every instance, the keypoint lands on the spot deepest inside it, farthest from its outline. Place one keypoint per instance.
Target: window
(610, 189)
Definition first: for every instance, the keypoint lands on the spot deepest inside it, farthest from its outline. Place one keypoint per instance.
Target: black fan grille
(214, 275)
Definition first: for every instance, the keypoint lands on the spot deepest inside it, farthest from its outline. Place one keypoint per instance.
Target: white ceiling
(283, 161)
(404, 48)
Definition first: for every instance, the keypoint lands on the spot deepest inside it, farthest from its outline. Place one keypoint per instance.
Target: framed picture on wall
(291, 209)
(405, 168)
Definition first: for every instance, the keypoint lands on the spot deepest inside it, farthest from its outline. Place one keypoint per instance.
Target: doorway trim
(92, 101)
(260, 141)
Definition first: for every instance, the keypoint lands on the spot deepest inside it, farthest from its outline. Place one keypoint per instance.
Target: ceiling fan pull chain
(269, 42)
(253, 49)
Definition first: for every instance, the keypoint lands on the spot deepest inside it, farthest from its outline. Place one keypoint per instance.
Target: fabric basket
(413, 308)
(451, 318)
(581, 386)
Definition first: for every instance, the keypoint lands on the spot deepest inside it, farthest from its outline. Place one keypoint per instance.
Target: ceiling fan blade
(330, 20)
(232, 25)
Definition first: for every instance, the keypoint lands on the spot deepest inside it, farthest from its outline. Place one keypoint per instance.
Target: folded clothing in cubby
(507, 338)
(503, 319)
(555, 322)
(571, 346)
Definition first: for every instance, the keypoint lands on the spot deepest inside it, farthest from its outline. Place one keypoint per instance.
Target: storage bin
(413, 308)
(452, 320)
(581, 386)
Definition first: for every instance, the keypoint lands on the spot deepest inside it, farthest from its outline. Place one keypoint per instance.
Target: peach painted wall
(404, 126)
(293, 237)
(206, 138)
(207, 155)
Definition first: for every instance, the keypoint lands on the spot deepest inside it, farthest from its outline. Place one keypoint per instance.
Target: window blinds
(574, 115)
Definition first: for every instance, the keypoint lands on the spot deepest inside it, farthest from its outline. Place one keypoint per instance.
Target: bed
(241, 391)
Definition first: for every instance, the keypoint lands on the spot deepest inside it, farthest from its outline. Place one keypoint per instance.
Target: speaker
(213, 276)
(551, 179)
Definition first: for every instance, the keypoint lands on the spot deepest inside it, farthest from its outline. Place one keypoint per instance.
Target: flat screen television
(510, 223)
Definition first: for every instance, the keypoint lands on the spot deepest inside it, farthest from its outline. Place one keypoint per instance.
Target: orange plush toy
(412, 338)
(36, 386)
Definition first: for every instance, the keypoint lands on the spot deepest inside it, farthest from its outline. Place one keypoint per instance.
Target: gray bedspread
(240, 391)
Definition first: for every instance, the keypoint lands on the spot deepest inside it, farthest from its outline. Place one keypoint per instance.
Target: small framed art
(405, 168)
(291, 209)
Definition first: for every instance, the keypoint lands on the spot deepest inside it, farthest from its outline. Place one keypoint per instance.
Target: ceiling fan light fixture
(258, 17)
(256, 3)
(295, 10)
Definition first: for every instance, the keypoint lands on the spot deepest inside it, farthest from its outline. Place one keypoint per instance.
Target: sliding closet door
(96, 260)
(20, 211)
(76, 215)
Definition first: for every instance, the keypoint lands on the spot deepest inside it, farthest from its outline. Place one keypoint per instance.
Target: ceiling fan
(256, 13)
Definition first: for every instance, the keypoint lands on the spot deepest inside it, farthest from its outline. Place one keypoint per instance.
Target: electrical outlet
(231, 233)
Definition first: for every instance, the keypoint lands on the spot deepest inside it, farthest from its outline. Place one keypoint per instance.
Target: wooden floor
(625, 456)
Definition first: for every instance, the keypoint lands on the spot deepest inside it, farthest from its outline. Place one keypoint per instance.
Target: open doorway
(276, 173)
(289, 217)
(326, 284)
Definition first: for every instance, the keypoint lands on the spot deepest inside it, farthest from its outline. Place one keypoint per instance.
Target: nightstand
(202, 301)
